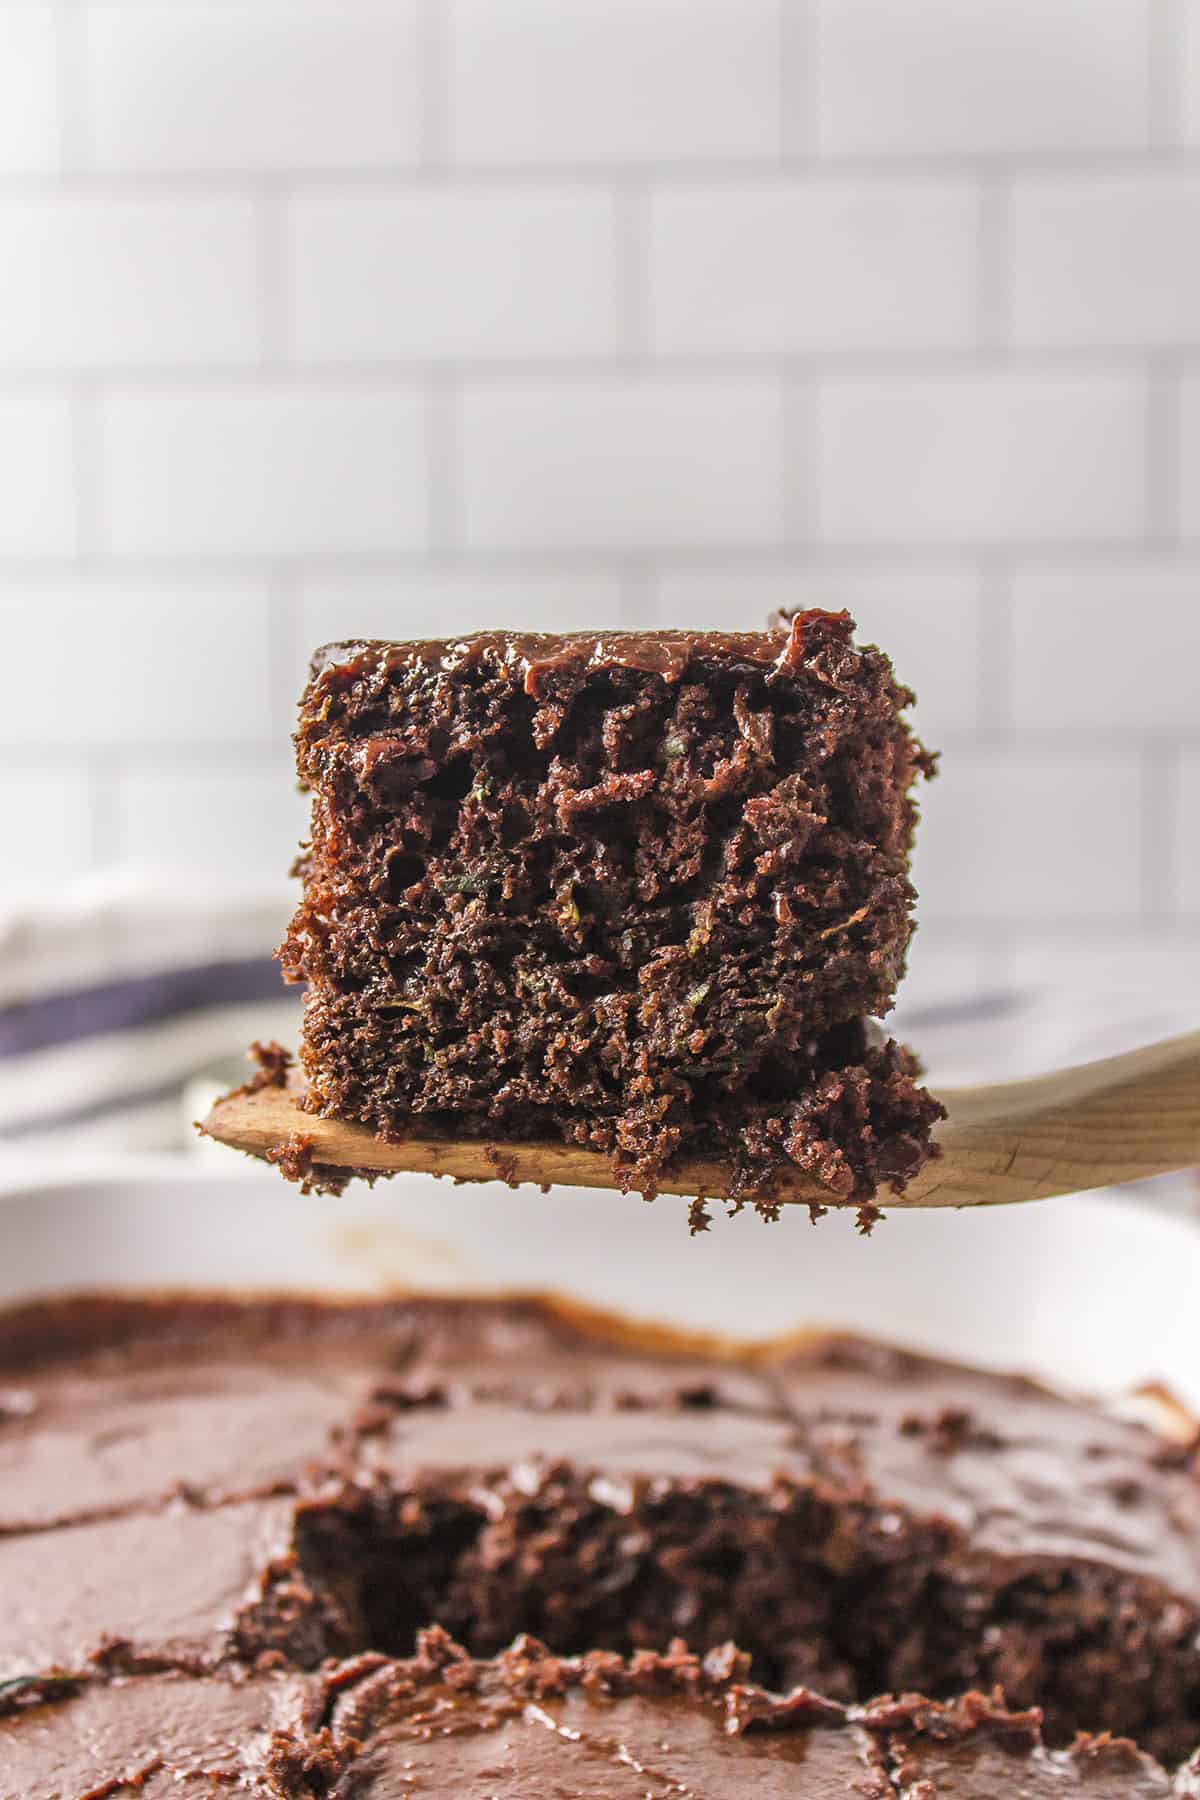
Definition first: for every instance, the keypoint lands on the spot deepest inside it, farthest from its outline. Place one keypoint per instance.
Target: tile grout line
(993, 272)
(441, 454)
(87, 462)
(1164, 60)
(639, 593)
(631, 222)
(1162, 450)
(841, 557)
(799, 80)
(1159, 781)
(720, 171)
(283, 608)
(74, 147)
(437, 134)
(883, 365)
(995, 696)
(273, 286)
(800, 427)
(102, 772)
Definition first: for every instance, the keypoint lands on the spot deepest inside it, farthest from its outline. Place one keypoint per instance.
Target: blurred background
(325, 319)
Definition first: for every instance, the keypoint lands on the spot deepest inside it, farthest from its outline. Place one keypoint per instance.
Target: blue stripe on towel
(134, 1001)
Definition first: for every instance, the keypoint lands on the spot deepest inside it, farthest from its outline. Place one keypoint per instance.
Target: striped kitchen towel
(121, 991)
(115, 993)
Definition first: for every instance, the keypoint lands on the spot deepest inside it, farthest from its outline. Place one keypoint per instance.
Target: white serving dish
(1100, 1293)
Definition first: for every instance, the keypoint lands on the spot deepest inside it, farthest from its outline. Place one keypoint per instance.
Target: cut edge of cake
(642, 892)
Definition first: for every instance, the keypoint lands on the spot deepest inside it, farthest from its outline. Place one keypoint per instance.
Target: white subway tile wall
(274, 468)
(1187, 823)
(998, 457)
(344, 317)
(1107, 259)
(1188, 91)
(998, 76)
(1108, 649)
(497, 272)
(194, 818)
(49, 821)
(546, 81)
(1015, 835)
(1189, 456)
(788, 266)
(29, 89)
(38, 499)
(615, 462)
(135, 662)
(97, 279)
(277, 84)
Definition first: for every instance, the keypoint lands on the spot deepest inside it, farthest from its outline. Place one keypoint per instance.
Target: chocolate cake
(255, 1609)
(644, 893)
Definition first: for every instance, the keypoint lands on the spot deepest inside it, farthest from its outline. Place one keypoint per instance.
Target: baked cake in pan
(231, 1528)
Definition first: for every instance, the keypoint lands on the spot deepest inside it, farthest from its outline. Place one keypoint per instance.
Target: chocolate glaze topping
(535, 655)
(858, 1519)
(156, 1737)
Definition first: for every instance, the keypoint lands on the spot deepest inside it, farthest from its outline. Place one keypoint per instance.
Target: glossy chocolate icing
(859, 1518)
(156, 1737)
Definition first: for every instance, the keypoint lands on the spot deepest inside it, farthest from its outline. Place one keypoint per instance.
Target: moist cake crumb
(642, 893)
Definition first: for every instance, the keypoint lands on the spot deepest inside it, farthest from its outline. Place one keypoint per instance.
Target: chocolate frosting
(858, 1517)
(157, 1737)
(658, 1727)
(977, 1750)
(594, 1728)
(1020, 1471)
(539, 654)
(540, 1358)
(667, 1445)
(76, 1442)
(170, 1586)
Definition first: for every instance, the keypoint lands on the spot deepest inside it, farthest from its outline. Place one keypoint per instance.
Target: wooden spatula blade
(1118, 1120)
(262, 1122)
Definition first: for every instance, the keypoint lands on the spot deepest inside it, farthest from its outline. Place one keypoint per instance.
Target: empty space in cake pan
(1097, 1292)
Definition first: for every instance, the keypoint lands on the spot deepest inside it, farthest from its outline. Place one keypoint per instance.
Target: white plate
(1097, 1292)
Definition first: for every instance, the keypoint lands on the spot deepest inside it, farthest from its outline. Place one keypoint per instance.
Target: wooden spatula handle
(1095, 1125)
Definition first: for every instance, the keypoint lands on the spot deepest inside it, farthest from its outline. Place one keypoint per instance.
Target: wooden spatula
(1104, 1122)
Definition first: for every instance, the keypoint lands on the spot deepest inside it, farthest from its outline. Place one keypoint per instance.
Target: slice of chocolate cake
(642, 893)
